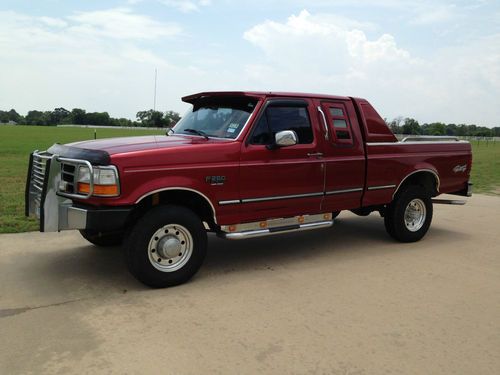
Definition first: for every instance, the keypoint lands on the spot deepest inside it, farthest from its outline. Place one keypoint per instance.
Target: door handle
(315, 154)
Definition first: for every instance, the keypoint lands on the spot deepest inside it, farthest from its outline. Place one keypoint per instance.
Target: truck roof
(260, 94)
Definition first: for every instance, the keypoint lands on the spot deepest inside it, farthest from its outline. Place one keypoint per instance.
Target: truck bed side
(445, 164)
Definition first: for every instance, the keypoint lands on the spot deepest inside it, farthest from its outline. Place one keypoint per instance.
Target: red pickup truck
(242, 165)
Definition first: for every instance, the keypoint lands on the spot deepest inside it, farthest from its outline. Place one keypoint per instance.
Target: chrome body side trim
(343, 191)
(380, 187)
(280, 197)
(436, 176)
(406, 143)
(180, 188)
(263, 199)
(233, 201)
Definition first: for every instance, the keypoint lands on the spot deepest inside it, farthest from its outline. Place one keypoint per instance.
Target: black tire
(394, 218)
(138, 251)
(102, 239)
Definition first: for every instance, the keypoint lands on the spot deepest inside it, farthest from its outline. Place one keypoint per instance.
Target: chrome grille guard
(43, 197)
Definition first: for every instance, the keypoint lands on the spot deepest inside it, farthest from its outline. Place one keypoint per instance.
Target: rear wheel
(103, 239)
(166, 247)
(409, 216)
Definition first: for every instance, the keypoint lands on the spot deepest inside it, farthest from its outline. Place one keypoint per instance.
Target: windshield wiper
(197, 132)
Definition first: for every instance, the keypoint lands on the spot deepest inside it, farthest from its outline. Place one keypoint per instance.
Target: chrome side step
(275, 226)
(458, 202)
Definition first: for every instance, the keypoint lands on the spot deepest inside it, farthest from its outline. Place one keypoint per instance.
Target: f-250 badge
(460, 168)
(215, 180)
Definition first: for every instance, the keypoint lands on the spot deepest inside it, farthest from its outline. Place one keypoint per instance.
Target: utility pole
(154, 100)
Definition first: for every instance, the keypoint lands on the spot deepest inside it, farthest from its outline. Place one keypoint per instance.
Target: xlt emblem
(215, 180)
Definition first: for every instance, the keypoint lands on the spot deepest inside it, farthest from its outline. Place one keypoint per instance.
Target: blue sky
(431, 60)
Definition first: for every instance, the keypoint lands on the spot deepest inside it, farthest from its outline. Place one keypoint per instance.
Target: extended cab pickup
(242, 165)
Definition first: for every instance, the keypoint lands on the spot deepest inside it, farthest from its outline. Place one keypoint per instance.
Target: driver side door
(281, 181)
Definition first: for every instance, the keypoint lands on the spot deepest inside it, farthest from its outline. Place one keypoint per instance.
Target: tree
(97, 118)
(12, 115)
(77, 116)
(58, 115)
(410, 126)
(451, 129)
(436, 128)
(395, 125)
(173, 118)
(152, 118)
(37, 118)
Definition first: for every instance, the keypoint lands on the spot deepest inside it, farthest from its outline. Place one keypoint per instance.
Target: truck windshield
(221, 118)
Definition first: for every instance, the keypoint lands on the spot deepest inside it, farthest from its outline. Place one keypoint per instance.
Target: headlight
(105, 180)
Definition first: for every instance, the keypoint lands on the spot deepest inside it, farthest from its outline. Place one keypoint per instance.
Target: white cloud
(54, 22)
(435, 14)
(93, 60)
(186, 6)
(314, 53)
(121, 23)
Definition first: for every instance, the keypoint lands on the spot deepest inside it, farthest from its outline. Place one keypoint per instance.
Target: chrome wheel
(170, 248)
(415, 214)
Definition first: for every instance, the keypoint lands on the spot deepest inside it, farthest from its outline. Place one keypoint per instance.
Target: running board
(458, 202)
(275, 226)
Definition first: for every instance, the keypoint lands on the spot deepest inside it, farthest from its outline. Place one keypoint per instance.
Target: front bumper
(56, 212)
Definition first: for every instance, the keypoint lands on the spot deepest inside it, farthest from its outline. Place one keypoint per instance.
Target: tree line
(409, 126)
(158, 119)
(77, 116)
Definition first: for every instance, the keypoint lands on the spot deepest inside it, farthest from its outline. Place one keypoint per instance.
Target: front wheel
(409, 216)
(166, 247)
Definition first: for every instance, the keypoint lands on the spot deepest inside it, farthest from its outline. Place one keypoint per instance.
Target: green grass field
(486, 167)
(16, 142)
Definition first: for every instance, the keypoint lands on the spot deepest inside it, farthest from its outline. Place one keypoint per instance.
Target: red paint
(148, 164)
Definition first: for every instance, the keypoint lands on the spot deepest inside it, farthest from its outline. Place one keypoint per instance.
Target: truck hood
(131, 144)
(98, 152)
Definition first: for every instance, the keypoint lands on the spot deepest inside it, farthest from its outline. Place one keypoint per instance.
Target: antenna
(154, 100)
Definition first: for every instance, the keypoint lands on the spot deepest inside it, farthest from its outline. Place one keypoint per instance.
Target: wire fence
(109, 127)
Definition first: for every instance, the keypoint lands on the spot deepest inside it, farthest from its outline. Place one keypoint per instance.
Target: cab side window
(340, 124)
(279, 118)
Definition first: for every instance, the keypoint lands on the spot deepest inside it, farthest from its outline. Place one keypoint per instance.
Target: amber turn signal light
(101, 190)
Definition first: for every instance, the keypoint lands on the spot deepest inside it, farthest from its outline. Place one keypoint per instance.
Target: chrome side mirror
(286, 138)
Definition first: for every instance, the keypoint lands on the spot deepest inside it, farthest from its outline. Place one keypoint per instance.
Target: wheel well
(427, 179)
(186, 198)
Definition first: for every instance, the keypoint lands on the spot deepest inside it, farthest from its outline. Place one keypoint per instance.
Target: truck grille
(68, 175)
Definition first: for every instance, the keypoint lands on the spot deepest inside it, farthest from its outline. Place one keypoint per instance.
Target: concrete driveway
(346, 300)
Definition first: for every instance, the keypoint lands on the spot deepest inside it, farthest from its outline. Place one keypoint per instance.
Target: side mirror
(286, 138)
